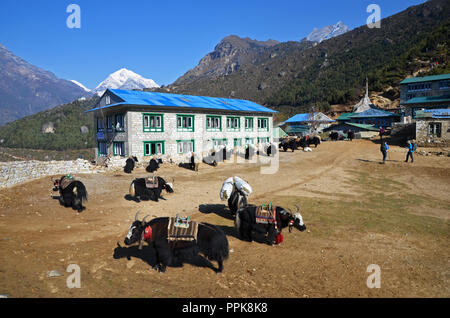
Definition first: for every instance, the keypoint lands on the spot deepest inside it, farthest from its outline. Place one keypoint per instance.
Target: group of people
(410, 145)
(384, 147)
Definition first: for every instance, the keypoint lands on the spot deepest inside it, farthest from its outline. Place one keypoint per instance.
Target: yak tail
(237, 221)
(81, 190)
(132, 190)
(215, 247)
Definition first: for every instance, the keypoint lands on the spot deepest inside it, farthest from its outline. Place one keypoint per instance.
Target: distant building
(429, 92)
(145, 124)
(366, 113)
(303, 124)
(360, 130)
(433, 126)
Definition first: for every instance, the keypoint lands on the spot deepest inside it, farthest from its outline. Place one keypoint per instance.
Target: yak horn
(143, 220)
(136, 216)
(173, 180)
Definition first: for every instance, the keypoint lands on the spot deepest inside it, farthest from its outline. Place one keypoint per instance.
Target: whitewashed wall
(203, 139)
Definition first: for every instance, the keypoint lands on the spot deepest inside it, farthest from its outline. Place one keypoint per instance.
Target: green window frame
(233, 123)
(185, 146)
(237, 142)
(220, 141)
(152, 122)
(248, 123)
(186, 123)
(118, 148)
(119, 119)
(263, 139)
(263, 124)
(102, 147)
(249, 141)
(152, 148)
(213, 123)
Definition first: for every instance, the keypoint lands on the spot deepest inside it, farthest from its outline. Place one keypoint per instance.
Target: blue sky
(160, 39)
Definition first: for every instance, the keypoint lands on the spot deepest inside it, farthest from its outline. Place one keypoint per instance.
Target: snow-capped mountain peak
(81, 85)
(327, 32)
(124, 79)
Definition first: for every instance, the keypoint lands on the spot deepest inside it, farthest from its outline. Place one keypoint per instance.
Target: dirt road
(357, 212)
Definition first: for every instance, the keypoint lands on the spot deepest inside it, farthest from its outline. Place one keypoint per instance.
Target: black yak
(351, 135)
(237, 200)
(270, 149)
(290, 144)
(129, 164)
(249, 220)
(249, 152)
(334, 135)
(153, 165)
(202, 238)
(72, 192)
(313, 140)
(149, 188)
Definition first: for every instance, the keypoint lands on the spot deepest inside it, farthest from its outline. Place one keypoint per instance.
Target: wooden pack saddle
(181, 229)
(66, 181)
(266, 214)
(151, 182)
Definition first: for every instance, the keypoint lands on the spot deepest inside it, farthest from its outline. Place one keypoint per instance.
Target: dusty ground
(357, 211)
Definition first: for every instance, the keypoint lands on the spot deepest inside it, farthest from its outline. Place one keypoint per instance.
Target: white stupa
(365, 103)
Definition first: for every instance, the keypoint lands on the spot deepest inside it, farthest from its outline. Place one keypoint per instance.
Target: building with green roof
(428, 92)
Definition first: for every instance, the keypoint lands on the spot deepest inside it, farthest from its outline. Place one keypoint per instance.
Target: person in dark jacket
(384, 148)
(409, 154)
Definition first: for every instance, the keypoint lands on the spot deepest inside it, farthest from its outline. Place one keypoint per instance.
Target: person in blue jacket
(409, 154)
(384, 148)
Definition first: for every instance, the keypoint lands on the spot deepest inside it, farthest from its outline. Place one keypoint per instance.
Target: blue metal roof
(373, 112)
(304, 118)
(438, 113)
(142, 98)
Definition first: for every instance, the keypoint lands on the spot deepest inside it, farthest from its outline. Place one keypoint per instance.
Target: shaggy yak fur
(153, 165)
(314, 140)
(271, 149)
(139, 191)
(334, 135)
(129, 164)
(290, 144)
(246, 226)
(210, 241)
(236, 200)
(72, 195)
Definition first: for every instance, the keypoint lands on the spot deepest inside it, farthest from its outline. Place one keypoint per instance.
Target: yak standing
(270, 222)
(236, 191)
(175, 240)
(72, 192)
(129, 164)
(149, 188)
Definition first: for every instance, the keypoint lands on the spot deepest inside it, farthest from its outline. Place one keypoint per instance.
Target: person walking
(409, 154)
(384, 148)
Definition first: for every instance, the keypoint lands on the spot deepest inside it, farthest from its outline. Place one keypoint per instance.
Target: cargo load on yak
(235, 190)
(232, 184)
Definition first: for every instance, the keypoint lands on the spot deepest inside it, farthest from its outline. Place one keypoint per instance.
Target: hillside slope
(60, 128)
(26, 89)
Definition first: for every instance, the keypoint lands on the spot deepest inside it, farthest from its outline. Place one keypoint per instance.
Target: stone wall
(424, 138)
(15, 172)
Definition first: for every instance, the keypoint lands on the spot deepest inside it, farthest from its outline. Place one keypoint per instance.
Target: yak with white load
(236, 191)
